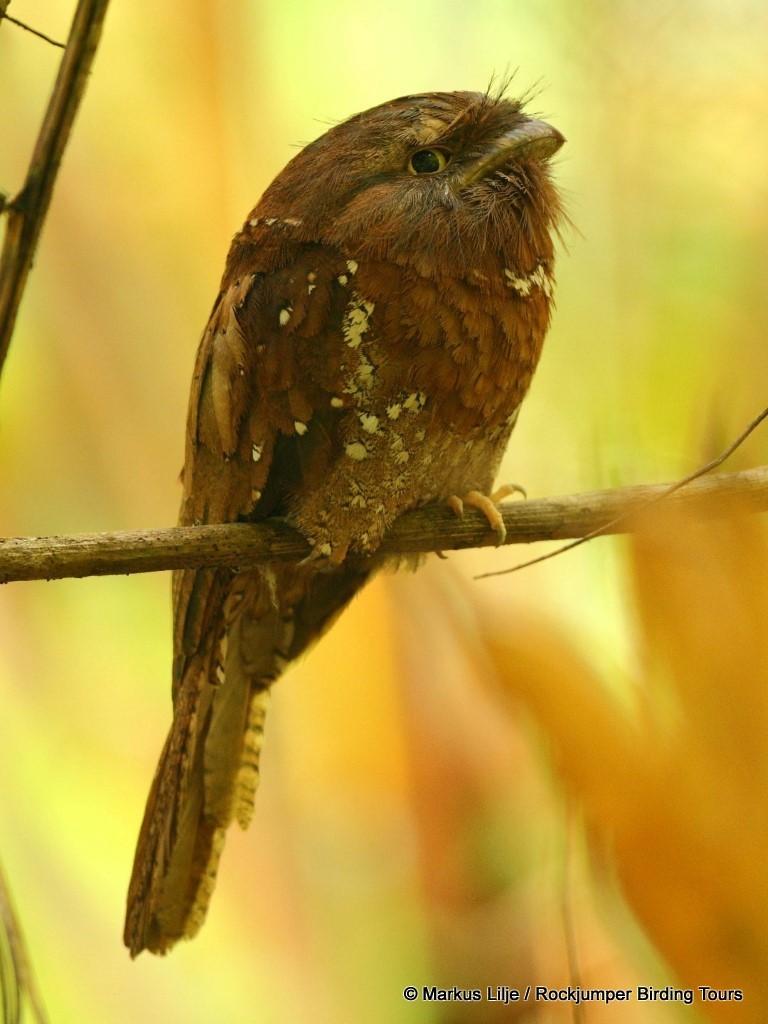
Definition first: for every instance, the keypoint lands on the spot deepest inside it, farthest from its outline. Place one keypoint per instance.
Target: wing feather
(260, 428)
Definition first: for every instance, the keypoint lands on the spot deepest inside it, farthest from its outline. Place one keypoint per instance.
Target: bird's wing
(261, 428)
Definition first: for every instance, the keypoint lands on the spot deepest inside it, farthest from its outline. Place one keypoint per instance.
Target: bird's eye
(428, 161)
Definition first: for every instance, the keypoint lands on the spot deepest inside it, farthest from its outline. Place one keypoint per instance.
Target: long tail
(209, 768)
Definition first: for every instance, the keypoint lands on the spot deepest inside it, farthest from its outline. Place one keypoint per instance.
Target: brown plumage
(380, 318)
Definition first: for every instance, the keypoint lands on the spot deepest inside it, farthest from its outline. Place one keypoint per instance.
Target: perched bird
(380, 317)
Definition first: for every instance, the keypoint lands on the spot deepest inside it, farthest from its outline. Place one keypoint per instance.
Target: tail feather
(247, 780)
(209, 770)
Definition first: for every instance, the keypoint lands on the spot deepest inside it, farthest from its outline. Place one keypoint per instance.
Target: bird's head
(442, 177)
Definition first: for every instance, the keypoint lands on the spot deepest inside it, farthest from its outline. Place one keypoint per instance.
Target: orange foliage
(675, 789)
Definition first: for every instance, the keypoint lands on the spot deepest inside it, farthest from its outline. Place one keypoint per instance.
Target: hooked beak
(533, 140)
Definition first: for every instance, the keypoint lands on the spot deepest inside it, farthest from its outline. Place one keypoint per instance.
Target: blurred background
(546, 778)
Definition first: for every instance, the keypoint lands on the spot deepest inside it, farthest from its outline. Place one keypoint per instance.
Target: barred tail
(209, 769)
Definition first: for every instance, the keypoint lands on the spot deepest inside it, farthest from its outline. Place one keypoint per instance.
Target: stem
(26, 213)
(432, 528)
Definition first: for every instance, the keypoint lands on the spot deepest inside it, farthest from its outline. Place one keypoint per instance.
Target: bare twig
(28, 28)
(662, 495)
(432, 528)
(26, 214)
(27, 211)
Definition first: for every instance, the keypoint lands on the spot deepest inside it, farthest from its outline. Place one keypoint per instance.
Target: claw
(505, 490)
(456, 505)
(324, 558)
(487, 505)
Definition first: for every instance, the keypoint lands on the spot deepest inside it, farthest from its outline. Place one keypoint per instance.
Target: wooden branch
(27, 211)
(432, 528)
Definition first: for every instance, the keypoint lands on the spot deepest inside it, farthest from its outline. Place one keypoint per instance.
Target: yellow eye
(429, 161)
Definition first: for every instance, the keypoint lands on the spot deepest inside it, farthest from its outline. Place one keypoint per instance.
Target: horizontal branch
(432, 528)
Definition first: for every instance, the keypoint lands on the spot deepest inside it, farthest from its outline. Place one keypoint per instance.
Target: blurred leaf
(677, 789)
(16, 980)
(693, 861)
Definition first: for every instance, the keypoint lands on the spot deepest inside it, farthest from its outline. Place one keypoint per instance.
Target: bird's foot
(488, 505)
(325, 557)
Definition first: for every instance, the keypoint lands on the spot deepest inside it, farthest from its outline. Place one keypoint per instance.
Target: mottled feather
(375, 332)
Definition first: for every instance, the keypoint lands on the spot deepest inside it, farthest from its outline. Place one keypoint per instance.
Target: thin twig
(33, 31)
(663, 494)
(26, 213)
(432, 528)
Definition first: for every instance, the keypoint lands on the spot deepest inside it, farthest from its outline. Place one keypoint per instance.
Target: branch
(27, 211)
(27, 28)
(432, 528)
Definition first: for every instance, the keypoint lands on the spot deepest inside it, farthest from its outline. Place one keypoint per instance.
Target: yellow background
(410, 826)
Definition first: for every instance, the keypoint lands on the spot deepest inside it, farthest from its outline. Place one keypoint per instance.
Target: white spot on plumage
(342, 279)
(394, 410)
(311, 278)
(361, 379)
(253, 222)
(352, 266)
(369, 422)
(285, 315)
(365, 374)
(415, 402)
(292, 222)
(337, 403)
(257, 451)
(356, 450)
(325, 549)
(540, 277)
(397, 448)
(356, 320)
(524, 285)
(300, 428)
(270, 221)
